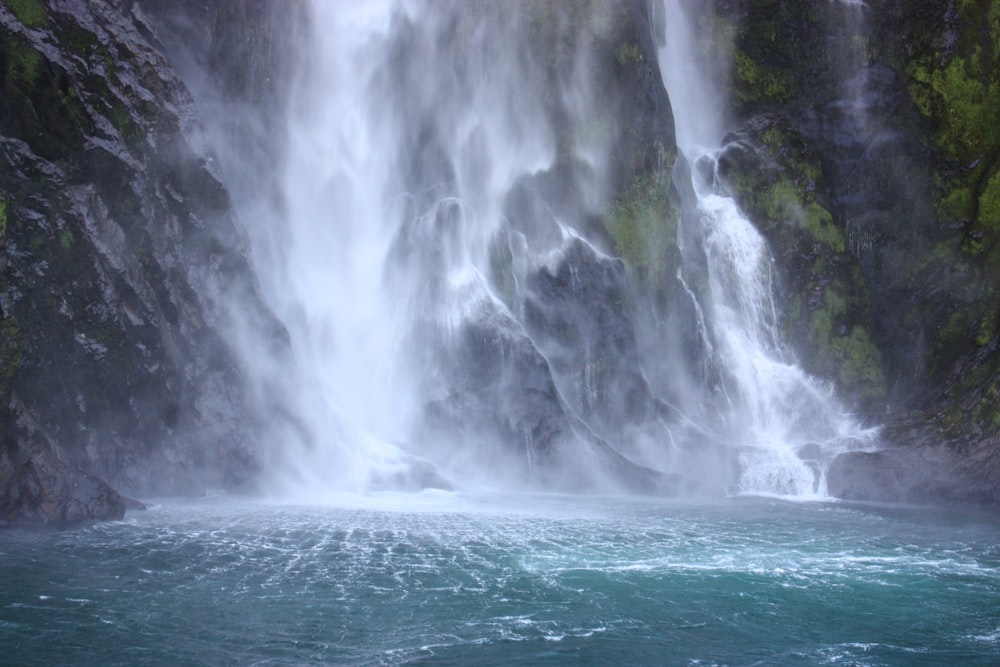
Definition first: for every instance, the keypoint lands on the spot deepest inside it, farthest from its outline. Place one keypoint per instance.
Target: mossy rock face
(785, 55)
(777, 178)
(116, 235)
(892, 254)
(643, 225)
(953, 81)
(955, 84)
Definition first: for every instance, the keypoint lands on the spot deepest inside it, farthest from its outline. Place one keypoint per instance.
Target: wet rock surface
(852, 149)
(120, 257)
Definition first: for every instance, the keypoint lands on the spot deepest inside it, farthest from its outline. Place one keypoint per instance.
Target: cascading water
(439, 244)
(408, 125)
(787, 424)
(434, 253)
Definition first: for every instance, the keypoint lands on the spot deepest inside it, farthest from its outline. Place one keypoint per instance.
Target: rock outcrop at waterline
(120, 258)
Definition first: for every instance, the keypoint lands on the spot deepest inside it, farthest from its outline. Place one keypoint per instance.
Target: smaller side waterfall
(786, 424)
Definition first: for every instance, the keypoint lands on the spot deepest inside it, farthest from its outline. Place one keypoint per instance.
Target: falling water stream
(409, 124)
(789, 425)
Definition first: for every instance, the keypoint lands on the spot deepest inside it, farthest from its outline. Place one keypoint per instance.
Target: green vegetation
(757, 83)
(987, 411)
(643, 225)
(126, 124)
(987, 328)
(66, 240)
(29, 12)
(989, 204)
(958, 91)
(628, 54)
(784, 202)
(952, 332)
(853, 358)
(860, 364)
(961, 95)
(25, 62)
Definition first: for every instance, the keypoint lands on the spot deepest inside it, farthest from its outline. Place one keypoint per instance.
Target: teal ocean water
(442, 579)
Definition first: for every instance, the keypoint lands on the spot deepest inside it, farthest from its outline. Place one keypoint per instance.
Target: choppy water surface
(538, 580)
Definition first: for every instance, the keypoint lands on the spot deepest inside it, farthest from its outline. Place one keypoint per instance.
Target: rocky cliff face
(120, 257)
(864, 147)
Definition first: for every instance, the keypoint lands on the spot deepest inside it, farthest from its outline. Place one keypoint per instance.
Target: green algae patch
(643, 225)
(957, 90)
(859, 364)
(757, 83)
(29, 12)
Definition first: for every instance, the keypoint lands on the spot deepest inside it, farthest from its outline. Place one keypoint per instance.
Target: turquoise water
(439, 579)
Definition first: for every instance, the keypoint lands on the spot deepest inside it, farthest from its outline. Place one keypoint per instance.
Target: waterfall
(409, 125)
(786, 424)
(454, 316)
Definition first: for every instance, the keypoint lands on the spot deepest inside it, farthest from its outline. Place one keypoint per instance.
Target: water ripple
(546, 580)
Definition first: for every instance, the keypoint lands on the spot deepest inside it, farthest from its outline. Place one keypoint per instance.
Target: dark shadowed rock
(36, 487)
(121, 264)
(895, 476)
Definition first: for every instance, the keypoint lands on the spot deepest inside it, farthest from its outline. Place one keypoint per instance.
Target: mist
(441, 215)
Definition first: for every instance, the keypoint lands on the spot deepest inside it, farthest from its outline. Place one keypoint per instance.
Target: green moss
(643, 224)
(25, 64)
(860, 364)
(66, 240)
(784, 201)
(987, 410)
(29, 12)
(836, 304)
(758, 83)
(958, 91)
(126, 125)
(989, 204)
(821, 326)
(956, 203)
(987, 328)
(952, 331)
(819, 222)
(628, 54)
(970, 116)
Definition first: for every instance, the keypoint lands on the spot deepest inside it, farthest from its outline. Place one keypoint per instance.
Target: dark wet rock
(905, 475)
(41, 489)
(925, 464)
(410, 474)
(37, 487)
(120, 260)
(135, 505)
(578, 313)
(866, 148)
(810, 451)
(494, 398)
